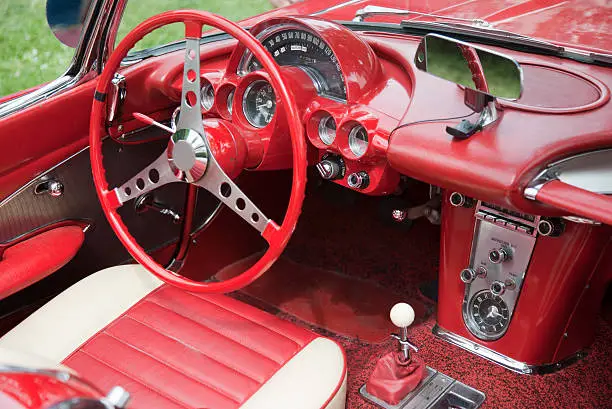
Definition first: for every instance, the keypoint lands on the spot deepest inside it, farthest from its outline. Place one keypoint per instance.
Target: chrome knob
(481, 272)
(467, 275)
(55, 188)
(399, 215)
(358, 180)
(498, 256)
(456, 199)
(498, 287)
(550, 227)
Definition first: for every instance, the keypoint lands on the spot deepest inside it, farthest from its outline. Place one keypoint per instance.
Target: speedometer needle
(150, 121)
(268, 105)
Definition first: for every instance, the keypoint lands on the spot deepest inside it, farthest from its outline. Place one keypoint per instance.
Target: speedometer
(301, 48)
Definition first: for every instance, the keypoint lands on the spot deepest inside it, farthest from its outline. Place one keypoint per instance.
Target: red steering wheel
(189, 157)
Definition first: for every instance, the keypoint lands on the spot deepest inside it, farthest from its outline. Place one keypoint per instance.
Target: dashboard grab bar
(576, 200)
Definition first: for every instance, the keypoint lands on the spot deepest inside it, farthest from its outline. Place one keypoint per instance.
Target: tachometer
(301, 48)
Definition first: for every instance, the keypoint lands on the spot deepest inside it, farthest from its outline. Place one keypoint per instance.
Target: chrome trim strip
(336, 7)
(503, 360)
(591, 171)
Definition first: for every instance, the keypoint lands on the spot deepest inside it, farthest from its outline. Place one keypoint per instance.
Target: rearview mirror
(66, 18)
(473, 67)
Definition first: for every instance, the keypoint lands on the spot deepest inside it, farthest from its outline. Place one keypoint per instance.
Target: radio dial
(498, 256)
(467, 275)
(498, 288)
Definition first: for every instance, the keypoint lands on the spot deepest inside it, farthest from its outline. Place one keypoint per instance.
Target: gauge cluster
(334, 76)
(351, 139)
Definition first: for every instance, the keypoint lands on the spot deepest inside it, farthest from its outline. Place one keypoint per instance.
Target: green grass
(31, 55)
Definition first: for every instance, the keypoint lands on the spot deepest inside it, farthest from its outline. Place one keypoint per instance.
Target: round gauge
(207, 96)
(358, 140)
(489, 314)
(259, 103)
(327, 129)
(230, 100)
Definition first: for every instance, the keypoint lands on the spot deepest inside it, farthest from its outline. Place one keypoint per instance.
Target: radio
(502, 246)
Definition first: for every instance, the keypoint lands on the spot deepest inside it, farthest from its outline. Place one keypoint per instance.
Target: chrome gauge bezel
(353, 138)
(229, 101)
(327, 134)
(245, 106)
(207, 100)
(475, 327)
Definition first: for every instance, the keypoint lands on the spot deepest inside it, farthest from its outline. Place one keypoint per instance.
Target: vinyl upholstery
(173, 349)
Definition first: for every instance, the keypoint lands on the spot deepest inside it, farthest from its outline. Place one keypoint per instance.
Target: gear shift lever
(397, 373)
(402, 316)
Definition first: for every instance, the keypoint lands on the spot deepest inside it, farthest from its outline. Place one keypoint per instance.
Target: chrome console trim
(503, 360)
(590, 171)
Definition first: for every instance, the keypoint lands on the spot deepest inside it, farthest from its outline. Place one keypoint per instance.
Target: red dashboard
(403, 113)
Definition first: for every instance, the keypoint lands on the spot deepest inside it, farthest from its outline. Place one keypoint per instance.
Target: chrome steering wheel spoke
(191, 112)
(157, 174)
(223, 187)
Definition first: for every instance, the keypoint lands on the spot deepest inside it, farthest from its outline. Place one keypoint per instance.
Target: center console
(519, 289)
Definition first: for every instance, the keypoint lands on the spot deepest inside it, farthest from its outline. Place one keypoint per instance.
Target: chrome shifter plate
(436, 391)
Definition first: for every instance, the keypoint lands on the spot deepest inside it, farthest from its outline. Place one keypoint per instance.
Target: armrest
(576, 201)
(38, 256)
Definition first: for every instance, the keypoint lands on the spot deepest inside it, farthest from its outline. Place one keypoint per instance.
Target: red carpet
(341, 231)
(344, 305)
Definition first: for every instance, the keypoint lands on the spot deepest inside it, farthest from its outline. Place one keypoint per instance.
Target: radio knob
(498, 256)
(467, 275)
(498, 288)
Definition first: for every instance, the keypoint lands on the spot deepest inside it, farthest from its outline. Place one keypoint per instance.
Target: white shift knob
(402, 315)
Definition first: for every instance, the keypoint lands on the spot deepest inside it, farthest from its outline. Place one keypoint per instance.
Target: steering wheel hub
(188, 155)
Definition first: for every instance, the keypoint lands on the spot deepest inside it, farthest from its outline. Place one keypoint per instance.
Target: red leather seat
(173, 349)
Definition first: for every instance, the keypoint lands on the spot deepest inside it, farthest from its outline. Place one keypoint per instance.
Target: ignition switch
(331, 167)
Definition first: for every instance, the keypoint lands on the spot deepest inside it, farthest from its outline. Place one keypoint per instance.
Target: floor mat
(341, 304)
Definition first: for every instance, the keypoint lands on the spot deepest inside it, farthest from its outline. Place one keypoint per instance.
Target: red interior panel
(35, 258)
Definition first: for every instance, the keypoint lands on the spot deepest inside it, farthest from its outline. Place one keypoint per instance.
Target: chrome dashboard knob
(498, 256)
(358, 180)
(498, 287)
(467, 275)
